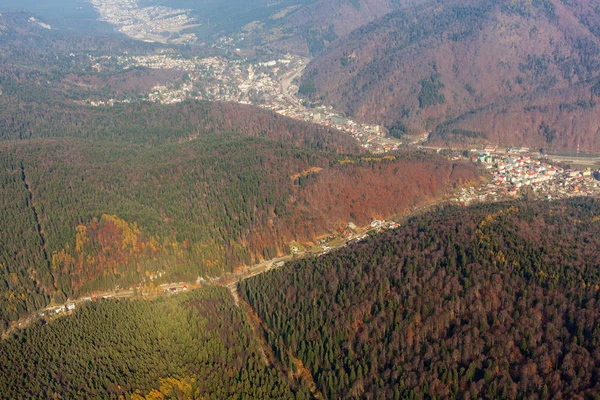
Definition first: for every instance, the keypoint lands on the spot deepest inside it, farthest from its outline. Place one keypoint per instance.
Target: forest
(192, 345)
(96, 198)
(82, 215)
(492, 301)
(472, 65)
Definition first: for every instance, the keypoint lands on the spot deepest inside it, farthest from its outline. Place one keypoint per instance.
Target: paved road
(574, 159)
(285, 84)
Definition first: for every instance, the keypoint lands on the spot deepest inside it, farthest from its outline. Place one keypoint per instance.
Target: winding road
(230, 281)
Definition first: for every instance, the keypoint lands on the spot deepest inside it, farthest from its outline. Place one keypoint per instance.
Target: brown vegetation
(497, 301)
(418, 67)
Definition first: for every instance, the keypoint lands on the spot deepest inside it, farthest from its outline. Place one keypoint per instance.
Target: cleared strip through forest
(258, 328)
(31, 204)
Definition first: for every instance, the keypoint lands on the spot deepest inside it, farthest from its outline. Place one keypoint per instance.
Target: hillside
(100, 197)
(38, 116)
(310, 29)
(473, 302)
(553, 120)
(83, 214)
(194, 345)
(302, 27)
(493, 301)
(477, 61)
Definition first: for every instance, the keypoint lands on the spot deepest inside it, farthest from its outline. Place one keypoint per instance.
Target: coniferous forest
(495, 301)
(193, 345)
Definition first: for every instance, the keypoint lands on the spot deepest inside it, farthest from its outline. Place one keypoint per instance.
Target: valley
(301, 199)
(230, 280)
(271, 85)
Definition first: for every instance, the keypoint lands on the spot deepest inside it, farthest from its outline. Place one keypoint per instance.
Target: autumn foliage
(493, 301)
(105, 214)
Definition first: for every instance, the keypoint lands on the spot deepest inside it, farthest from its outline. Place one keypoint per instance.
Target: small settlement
(515, 170)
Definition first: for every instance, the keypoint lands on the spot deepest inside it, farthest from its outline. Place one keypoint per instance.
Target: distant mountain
(300, 26)
(503, 72)
(312, 28)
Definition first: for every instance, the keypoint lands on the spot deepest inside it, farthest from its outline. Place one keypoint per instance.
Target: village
(273, 85)
(268, 84)
(517, 171)
(150, 24)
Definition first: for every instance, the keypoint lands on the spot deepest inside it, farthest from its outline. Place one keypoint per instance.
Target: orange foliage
(109, 245)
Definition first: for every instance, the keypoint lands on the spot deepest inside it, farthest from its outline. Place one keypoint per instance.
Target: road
(286, 81)
(165, 288)
(230, 281)
(580, 160)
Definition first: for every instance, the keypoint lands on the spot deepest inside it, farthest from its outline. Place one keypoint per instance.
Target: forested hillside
(156, 124)
(494, 301)
(101, 197)
(503, 69)
(300, 26)
(309, 30)
(194, 345)
(85, 215)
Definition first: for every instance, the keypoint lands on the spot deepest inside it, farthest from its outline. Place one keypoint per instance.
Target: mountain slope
(90, 214)
(310, 29)
(193, 345)
(418, 67)
(99, 197)
(299, 26)
(493, 301)
(557, 119)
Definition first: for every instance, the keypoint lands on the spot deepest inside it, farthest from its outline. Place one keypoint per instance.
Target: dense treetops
(485, 63)
(156, 124)
(495, 301)
(84, 215)
(195, 345)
